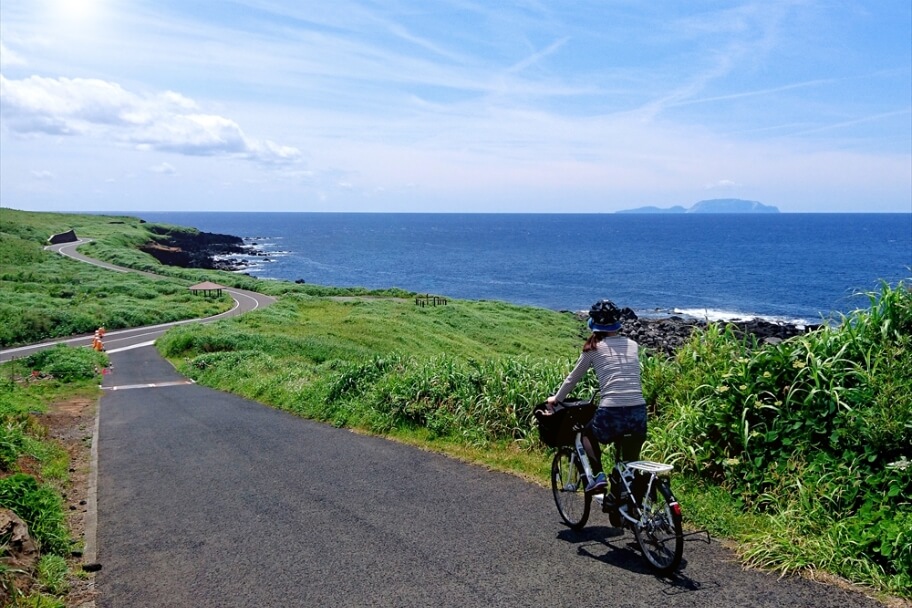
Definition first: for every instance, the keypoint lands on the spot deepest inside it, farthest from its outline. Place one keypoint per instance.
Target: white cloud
(164, 121)
(8, 58)
(722, 184)
(164, 169)
(43, 175)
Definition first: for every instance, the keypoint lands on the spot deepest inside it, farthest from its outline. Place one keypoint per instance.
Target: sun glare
(77, 10)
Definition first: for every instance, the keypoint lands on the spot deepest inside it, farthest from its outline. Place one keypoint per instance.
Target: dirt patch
(71, 424)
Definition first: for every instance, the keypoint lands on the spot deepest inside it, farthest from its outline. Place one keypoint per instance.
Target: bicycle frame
(625, 475)
(647, 506)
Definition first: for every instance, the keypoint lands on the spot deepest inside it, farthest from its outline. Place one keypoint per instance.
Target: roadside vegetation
(46, 295)
(35, 473)
(798, 451)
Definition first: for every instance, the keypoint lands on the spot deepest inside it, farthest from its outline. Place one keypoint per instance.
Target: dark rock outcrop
(666, 335)
(195, 249)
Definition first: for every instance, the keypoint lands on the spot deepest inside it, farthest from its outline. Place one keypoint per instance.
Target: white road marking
(152, 385)
(131, 347)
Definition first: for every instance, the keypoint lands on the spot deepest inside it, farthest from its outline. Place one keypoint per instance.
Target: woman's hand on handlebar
(551, 401)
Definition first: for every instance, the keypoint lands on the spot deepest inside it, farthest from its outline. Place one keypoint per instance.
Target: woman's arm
(579, 370)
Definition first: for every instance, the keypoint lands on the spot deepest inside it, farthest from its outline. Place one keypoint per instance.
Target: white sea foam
(710, 315)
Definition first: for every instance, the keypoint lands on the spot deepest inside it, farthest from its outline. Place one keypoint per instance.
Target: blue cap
(604, 328)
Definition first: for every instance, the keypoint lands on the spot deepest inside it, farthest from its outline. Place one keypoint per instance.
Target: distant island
(716, 205)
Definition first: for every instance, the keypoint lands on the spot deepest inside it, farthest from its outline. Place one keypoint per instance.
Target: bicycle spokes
(658, 530)
(568, 486)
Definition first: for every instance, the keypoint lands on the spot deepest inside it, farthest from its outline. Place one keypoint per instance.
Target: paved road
(244, 301)
(207, 499)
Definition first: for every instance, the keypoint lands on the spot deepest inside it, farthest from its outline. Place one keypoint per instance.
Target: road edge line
(90, 548)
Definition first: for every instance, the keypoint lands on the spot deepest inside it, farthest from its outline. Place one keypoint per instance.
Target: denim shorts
(612, 424)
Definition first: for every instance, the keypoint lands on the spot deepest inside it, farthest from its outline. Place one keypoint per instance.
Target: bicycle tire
(659, 532)
(568, 484)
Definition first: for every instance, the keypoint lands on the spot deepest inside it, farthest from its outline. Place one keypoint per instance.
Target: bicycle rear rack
(648, 466)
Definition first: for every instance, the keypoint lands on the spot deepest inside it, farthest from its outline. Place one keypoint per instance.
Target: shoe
(598, 484)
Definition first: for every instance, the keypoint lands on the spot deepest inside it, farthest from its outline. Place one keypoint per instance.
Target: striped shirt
(617, 367)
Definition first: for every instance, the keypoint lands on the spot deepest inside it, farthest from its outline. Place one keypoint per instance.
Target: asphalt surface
(207, 499)
(204, 499)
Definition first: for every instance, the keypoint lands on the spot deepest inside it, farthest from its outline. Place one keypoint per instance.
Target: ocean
(799, 268)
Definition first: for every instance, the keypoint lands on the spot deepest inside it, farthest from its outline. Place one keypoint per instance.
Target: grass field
(798, 451)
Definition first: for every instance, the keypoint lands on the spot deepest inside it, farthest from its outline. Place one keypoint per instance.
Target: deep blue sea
(794, 267)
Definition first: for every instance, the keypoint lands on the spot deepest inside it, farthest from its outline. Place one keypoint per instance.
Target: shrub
(67, 363)
(806, 430)
(40, 508)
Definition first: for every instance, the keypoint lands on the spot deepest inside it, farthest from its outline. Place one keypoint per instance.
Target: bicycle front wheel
(568, 483)
(658, 532)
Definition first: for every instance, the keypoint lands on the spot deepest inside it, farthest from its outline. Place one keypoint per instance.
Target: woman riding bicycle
(621, 415)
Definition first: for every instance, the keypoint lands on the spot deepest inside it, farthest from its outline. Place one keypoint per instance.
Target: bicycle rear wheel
(568, 483)
(658, 532)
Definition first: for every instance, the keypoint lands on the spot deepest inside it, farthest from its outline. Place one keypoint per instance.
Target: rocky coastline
(666, 335)
(206, 250)
(197, 249)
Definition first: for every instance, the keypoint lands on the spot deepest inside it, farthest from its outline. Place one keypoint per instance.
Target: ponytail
(593, 340)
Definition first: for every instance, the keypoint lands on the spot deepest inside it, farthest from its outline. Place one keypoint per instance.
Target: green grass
(49, 296)
(785, 448)
(811, 435)
(27, 387)
(52, 573)
(798, 451)
(384, 363)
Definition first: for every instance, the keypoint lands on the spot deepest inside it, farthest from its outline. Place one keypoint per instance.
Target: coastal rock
(668, 334)
(196, 249)
(19, 557)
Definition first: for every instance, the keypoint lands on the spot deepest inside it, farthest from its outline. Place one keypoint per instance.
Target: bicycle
(645, 504)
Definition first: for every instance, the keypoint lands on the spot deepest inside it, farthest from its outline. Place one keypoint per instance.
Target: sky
(534, 106)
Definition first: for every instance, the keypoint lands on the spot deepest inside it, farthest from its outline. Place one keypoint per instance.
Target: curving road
(206, 499)
(244, 301)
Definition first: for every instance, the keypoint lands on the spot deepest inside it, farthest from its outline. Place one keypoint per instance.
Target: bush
(12, 442)
(67, 363)
(40, 508)
(813, 431)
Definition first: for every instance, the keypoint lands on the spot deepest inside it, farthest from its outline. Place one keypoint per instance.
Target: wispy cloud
(9, 58)
(165, 121)
(463, 99)
(856, 121)
(163, 169)
(537, 56)
(722, 184)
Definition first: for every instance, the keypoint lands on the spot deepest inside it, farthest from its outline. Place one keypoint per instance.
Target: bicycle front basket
(558, 428)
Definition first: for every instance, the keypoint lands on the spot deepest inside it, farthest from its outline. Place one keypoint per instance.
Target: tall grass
(34, 469)
(815, 432)
(48, 296)
(801, 435)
